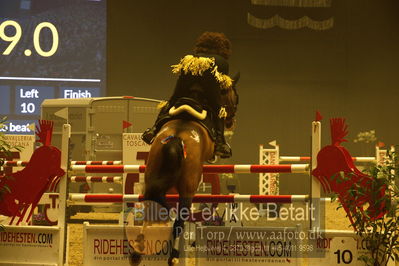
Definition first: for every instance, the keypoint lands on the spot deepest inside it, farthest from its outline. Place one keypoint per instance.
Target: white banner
(109, 245)
(29, 245)
(339, 250)
(247, 246)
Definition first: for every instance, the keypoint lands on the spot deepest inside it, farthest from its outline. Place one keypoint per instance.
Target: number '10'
(14, 39)
(28, 108)
(346, 256)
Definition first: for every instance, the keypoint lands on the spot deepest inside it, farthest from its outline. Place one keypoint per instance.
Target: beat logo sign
(18, 128)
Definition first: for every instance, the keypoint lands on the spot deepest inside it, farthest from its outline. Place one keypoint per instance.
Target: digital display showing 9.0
(49, 49)
(16, 35)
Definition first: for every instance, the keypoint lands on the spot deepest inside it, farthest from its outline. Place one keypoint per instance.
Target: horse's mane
(338, 131)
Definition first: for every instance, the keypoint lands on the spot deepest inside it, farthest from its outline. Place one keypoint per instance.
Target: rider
(203, 77)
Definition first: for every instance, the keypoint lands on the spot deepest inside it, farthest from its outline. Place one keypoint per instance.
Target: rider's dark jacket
(202, 77)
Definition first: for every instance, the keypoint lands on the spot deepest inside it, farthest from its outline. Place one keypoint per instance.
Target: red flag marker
(319, 117)
(126, 124)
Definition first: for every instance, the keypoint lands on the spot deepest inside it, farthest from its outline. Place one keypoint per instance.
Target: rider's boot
(222, 149)
(150, 133)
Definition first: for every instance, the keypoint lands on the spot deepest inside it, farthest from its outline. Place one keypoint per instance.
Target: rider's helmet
(213, 43)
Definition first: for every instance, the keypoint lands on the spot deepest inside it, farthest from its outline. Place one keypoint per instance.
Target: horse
(175, 161)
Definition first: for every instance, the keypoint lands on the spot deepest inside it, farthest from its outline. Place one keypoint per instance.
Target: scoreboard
(49, 49)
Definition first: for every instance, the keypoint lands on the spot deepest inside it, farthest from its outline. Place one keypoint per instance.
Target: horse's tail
(172, 156)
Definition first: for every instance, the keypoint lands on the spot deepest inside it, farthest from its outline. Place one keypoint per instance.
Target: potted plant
(380, 234)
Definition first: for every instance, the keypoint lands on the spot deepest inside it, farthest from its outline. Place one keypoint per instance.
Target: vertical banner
(135, 151)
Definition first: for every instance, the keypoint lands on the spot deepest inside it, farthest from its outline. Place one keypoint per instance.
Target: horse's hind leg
(187, 186)
(183, 215)
(156, 195)
(163, 169)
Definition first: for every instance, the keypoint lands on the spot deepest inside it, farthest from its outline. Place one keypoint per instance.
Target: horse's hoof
(173, 261)
(135, 258)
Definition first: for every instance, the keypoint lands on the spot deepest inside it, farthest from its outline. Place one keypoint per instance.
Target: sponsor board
(26, 142)
(16, 127)
(112, 244)
(247, 246)
(29, 245)
(341, 248)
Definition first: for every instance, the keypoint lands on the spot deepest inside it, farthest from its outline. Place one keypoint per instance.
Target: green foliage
(5, 147)
(382, 234)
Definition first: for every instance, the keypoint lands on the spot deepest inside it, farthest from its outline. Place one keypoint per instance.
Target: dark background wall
(349, 70)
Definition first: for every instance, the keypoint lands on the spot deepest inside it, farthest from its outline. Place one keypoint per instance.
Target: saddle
(190, 109)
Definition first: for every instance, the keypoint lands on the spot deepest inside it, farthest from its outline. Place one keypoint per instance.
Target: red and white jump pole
(307, 158)
(14, 163)
(96, 179)
(96, 162)
(24, 163)
(281, 159)
(118, 198)
(237, 168)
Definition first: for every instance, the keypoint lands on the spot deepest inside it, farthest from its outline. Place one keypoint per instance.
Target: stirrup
(214, 159)
(223, 150)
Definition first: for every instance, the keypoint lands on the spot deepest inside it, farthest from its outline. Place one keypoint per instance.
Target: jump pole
(199, 198)
(306, 158)
(96, 162)
(24, 163)
(96, 179)
(238, 168)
